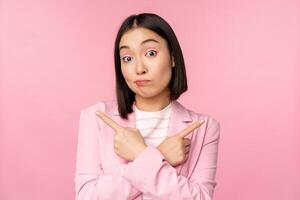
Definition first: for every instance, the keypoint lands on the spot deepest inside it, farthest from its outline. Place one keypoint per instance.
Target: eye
(126, 60)
(151, 52)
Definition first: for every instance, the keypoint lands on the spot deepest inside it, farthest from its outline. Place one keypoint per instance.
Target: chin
(145, 96)
(148, 95)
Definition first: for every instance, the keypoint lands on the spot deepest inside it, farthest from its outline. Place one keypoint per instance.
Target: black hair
(178, 82)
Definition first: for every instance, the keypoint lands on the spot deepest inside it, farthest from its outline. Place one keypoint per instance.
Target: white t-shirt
(153, 126)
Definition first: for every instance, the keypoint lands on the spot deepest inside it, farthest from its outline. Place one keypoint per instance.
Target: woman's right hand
(175, 148)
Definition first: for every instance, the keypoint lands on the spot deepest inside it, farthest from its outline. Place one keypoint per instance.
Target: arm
(90, 181)
(150, 174)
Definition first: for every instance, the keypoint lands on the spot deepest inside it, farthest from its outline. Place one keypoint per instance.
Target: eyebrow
(143, 42)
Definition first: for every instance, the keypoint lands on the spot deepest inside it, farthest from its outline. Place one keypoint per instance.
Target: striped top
(153, 126)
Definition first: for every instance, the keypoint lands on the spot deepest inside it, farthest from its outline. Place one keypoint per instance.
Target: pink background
(57, 58)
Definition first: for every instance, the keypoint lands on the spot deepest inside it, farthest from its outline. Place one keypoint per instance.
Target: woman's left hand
(128, 142)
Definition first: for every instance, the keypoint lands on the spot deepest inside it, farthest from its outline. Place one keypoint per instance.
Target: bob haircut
(178, 82)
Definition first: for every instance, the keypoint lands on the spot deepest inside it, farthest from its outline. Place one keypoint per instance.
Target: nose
(140, 67)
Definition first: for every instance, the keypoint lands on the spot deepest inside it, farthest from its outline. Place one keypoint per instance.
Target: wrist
(160, 150)
(140, 150)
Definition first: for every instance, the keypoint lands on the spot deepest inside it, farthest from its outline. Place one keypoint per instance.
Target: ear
(173, 61)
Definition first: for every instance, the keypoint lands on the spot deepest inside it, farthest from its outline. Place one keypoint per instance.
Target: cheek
(163, 71)
(126, 73)
(167, 73)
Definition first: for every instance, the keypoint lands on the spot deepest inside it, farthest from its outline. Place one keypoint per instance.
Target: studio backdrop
(243, 68)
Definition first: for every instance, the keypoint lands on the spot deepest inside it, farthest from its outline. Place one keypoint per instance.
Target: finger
(186, 157)
(114, 125)
(186, 141)
(190, 128)
(187, 149)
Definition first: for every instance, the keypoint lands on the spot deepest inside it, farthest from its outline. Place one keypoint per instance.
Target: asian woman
(145, 144)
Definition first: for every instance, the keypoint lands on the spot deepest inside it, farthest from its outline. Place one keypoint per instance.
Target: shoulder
(210, 121)
(211, 126)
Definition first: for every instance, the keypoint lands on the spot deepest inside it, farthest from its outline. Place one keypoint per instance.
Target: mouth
(142, 82)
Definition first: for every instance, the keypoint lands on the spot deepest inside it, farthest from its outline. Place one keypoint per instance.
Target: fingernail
(201, 121)
(98, 112)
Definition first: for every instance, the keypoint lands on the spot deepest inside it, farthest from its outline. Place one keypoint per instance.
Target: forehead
(134, 37)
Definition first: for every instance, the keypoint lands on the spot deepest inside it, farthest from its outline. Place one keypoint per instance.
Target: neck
(152, 104)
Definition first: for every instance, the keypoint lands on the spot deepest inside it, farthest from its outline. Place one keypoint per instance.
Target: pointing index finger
(190, 128)
(110, 122)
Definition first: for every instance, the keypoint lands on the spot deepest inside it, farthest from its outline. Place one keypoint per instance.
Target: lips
(142, 82)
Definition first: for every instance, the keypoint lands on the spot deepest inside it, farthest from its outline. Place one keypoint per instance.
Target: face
(145, 56)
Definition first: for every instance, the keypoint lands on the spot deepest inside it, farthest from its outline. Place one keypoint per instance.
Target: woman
(145, 144)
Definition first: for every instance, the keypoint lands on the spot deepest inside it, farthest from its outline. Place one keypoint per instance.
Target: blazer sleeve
(160, 179)
(90, 181)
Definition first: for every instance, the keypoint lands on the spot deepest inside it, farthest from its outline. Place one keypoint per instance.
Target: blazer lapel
(179, 120)
(111, 108)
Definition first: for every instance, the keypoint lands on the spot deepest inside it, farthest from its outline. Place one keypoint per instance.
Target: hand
(175, 149)
(128, 142)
